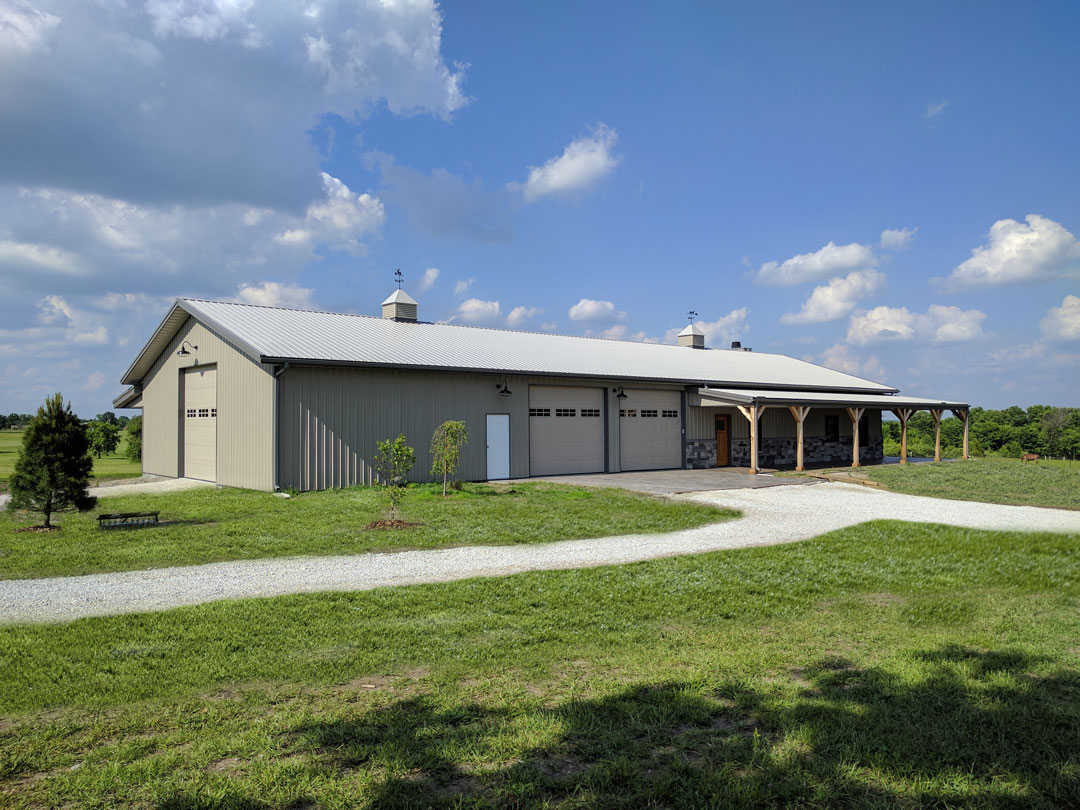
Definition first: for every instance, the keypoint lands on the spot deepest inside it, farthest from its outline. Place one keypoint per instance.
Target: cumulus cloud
(593, 311)
(275, 294)
(616, 332)
(718, 333)
(829, 261)
(842, 357)
(837, 299)
(462, 285)
(518, 315)
(577, 171)
(1016, 252)
(338, 220)
(148, 129)
(938, 325)
(1063, 323)
(473, 310)
(430, 276)
(897, 238)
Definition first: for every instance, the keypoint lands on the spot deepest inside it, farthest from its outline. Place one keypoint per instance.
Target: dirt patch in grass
(37, 529)
(391, 524)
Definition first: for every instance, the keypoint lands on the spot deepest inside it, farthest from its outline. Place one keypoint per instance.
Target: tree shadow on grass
(974, 729)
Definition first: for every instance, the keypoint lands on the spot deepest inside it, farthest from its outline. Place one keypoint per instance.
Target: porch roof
(720, 397)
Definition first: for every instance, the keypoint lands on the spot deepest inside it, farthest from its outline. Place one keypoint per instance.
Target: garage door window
(649, 414)
(539, 411)
(566, 412)
(590, 412)
(671, 414)
(630, 412)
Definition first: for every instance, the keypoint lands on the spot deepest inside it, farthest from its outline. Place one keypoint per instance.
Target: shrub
(134, 443)
(53, 468)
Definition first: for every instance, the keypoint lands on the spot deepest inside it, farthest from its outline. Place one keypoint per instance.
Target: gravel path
(773, 515)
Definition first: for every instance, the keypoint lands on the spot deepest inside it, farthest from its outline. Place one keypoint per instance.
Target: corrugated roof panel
(744, 396)
(358, 339)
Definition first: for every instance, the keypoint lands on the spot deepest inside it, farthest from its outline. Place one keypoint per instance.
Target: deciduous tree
(446, 444)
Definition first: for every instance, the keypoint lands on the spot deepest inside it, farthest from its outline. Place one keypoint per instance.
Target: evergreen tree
(53, 469)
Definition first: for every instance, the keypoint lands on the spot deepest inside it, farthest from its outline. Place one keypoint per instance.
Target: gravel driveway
(773, 515)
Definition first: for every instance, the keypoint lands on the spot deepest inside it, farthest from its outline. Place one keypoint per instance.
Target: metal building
(268, 397)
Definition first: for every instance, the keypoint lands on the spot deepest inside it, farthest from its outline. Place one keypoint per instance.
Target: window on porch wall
(832, 427)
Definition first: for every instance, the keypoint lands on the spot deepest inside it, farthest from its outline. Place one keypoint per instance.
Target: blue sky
(886, 189)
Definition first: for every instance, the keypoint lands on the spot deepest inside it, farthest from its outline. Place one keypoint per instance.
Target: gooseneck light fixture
(184, 352)
(619, 393)
(502, 389)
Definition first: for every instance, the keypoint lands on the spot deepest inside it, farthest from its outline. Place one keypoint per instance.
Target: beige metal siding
(563, 439)
(701, 423)
(245, 391)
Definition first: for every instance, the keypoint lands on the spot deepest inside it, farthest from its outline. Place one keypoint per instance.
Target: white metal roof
(744, 396)
(273, 335)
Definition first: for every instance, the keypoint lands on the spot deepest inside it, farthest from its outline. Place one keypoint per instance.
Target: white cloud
(829, 261)
(1063, 323)
(837, 299)
(275, 294)
(518, 315)
(473, 310)
(593, 311)
(641, 337)
(430, 276)
(23, 29)
(616, 332)
(577, 171)
(841, 357)
(939, 325)
(94, 381)
(462, 285)
(897, 238)
(276, 69)
(338, 220)
(1017, 252)
(549, 326)
(31, 257)
(935, 108)
(718, 333)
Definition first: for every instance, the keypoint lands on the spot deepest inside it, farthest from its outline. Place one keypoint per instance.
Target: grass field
(991, 480)
(208, 525)
(886, 665)
(106, 468)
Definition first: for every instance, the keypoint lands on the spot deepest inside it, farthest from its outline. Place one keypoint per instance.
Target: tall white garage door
(650, 430)
(566, 430)
(200, 423)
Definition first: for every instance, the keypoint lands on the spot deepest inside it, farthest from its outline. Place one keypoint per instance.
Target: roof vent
(735, 344)
(399, 307)
(693, 337)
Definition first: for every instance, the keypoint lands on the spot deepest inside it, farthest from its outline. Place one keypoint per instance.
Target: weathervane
(691, 315)
(398, 277)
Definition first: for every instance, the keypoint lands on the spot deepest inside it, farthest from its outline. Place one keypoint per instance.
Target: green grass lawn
(208, 525)
(886, 665)
(107, 468)
(992, 480)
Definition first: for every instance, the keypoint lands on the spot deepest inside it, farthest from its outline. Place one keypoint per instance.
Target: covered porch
(753, 403)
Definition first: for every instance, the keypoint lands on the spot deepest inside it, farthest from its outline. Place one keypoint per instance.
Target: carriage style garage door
(650, 430)
(200, 423)
(566, 430)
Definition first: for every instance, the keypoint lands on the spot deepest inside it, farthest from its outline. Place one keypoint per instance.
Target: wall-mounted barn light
(184, 352)
(619, 393)
(502, 389)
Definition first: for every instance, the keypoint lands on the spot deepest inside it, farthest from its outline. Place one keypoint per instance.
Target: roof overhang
(721, 397)
(166, 331)
(131, 398)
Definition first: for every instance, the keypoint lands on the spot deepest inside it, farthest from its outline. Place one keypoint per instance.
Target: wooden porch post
(856, 415)
(936, 413)
(903, 414)
(753, 413)
(963, 414)
(799, 413)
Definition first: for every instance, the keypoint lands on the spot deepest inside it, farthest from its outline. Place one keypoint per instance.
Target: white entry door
(498, 446)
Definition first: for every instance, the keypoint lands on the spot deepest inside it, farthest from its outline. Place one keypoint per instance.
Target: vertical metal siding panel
(777, 423)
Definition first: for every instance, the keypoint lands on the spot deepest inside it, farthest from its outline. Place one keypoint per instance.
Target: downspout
(277, 427)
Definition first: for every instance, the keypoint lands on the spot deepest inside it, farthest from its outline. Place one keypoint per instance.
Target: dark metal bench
(122, 520)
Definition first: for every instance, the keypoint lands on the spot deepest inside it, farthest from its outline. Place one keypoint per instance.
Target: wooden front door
(722, 459)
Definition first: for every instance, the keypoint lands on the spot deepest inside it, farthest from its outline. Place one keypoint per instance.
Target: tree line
(103, 432)
(1007, 433)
